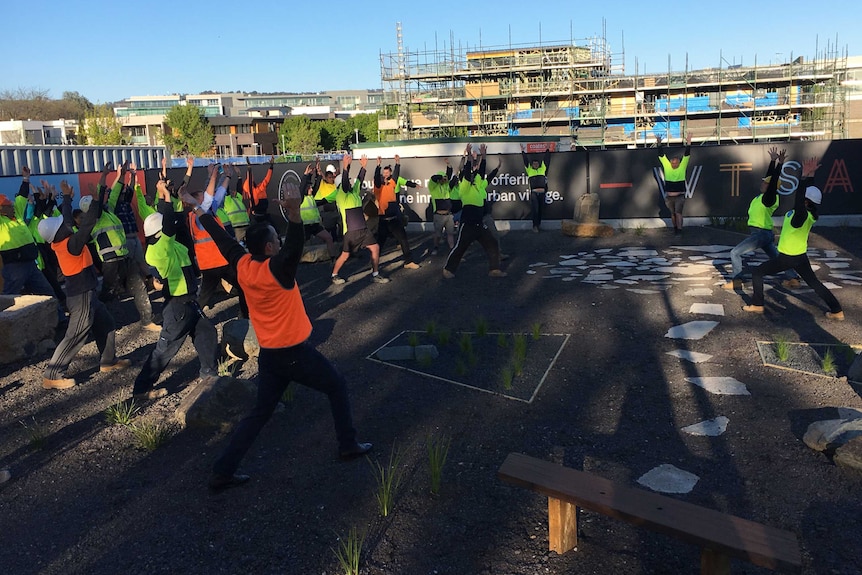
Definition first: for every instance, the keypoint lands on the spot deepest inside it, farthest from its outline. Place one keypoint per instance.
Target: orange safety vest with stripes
(70, 264)
(206, 251)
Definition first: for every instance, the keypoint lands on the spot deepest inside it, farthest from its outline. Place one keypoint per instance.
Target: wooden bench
(720, 536)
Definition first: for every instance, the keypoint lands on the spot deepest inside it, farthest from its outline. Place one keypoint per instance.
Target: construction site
(578, 89)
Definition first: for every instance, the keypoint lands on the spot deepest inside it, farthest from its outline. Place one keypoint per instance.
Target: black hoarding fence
(722, 180)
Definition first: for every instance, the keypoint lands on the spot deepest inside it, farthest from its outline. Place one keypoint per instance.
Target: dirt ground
(84, 498)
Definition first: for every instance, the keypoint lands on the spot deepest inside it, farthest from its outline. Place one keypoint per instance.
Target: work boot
(150, 395)
(151, 327)
(734, 284)
(116, 366)
(753, 308)
(791, 283)
(64, 383)
(447, 274)
(411, 266)
(497, 274)
(838, 315)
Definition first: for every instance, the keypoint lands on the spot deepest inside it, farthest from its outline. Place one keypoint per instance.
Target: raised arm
(800, 212)
(285, 263)
(228, 246)
(770, 196)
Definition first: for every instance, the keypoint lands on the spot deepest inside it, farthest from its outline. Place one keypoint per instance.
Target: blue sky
(111, 50)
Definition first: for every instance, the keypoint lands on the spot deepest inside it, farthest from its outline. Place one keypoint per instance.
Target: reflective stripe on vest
(236, 212)
(70, 264)
(206, 251)
(309, 211)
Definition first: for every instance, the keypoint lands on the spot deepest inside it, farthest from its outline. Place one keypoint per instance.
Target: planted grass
(438, 450)
(388, 477)
(536, 331)
(150, 435)
(349, 551)
(782, 347)
(122, 413)
(37, 433)
(828, 362)
(481, 327)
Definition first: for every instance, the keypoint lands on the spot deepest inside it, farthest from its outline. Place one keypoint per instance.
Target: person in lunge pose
(760, 212)
(674, 181)
(267, 274)
(387, 191)
(793, 245)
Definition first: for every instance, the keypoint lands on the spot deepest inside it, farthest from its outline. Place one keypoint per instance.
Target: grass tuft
(431, 327)
(413, 339)
(507, 376)
(388, 479)
(37, 433)
(466, 343)
(502, 340)
(150, 435)
(349, 551)
(536, 331)
(443, 336)
(122, 413)
(438, 450)
(828, 361)
(481, 326)
(287, 396)
(782, 347)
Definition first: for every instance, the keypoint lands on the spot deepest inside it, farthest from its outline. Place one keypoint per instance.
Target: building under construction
(576, 89)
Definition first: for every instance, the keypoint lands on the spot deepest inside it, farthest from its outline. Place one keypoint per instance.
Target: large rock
(855, 371)
(239, 340)
(6, 301)
(832, 433)
(217, 402)
(579, 230)
(312, 253)
(849, 455)
(25, 324)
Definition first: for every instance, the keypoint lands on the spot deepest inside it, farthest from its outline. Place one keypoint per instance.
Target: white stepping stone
(836, 259)
(846, 276)
(835, 265)
(638, 253)
(599, 278)
(709, 428)
(852, 283)
(643, 268)
(707, 249)
(626, 282)
(667, 478)
(696, 279)
(531, 272)
(539, 264)
(644, 291)
(568, 279)
(831, 253)
(691, 330)
(707, 308)
(562, 271)
(621, 264)
(604, 250)
(692, 356)
(699, 292)
(830, 285)
(649, 278)
(688, 270)
(720, 385)
(696, 258)
(606, 286)
(572, 262)
(600, 270)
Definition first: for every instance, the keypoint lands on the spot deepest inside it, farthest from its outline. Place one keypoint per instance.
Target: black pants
(393, 227)
(86, 314)
(537, 202)
(468, 233)
(210, 282)
(277, 368)
(123, 274)
(182, 317)
(802, 266)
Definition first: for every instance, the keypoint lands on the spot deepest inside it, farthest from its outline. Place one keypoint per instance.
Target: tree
(335, 134)
(367, 126)
(189, 131)
(75, 106)
(101, 128)
(301, 135)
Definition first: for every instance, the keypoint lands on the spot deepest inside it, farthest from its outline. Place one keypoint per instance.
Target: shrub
(122, 412)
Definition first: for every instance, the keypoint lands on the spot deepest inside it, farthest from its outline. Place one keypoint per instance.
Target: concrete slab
(667, 478)
(708, 428)
(720, 385)
(707, 308)
(692, 356)
(691, 330)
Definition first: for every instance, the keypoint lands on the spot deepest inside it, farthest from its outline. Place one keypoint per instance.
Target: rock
(579, 230)
(239, 340)
(395, 353)
(5, 475)
(849, 455)
(315, 253)
(855, 371)
(425, 352)
(218, 402)
(46, 346)
(6, 301)
(829, 434)
(31, 319)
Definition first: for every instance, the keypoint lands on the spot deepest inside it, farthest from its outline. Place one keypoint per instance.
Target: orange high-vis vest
(385, 195)
(70, 264)
(277, 314)
(206, 250)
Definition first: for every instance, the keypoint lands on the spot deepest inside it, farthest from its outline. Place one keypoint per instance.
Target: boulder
(849, 455)
(312, 253)
(855, 371)
(239, 340)
(23, 325)
(6, 301)
(216, 402)
(829, 434)
(586, 230)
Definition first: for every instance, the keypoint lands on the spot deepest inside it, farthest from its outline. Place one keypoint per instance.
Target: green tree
(301, 135)
(74, 105)
(335, 134)
(188, 131)
(100, 127)
(367, 126)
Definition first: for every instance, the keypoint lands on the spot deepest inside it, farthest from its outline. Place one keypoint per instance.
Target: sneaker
(354, 451)
(411, 266)
(116, 366)
(64, 383)
(791, 283)
(535, 229)
(753, 308)
(379, 279)
(497, 274)
(447, 274)
(338, 280)
(838, 315)
(152, 327)
(221, 482)
(150, 395)
(733, 285)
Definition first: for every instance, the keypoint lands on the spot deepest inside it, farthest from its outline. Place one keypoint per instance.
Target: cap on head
(814, 194)
(48, 228)
(153, 224)
(85, 203)
(330, 169)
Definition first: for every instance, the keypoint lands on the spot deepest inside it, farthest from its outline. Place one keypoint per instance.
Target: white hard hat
(48, 228)
(814, 194)
(85, 202)
(331, 168)
(153, 224)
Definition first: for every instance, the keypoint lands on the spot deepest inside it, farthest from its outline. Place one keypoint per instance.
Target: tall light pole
(283, 148)
(356, 130)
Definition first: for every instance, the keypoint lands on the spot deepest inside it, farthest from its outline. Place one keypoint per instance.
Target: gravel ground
(84, 498)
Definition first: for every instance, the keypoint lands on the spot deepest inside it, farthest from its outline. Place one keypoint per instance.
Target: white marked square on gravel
(692, 356)
(830, 285)
(697, 292)
(707, 308)
(709, 428)
(644, 291)
(691, 330)
(836, 265)
(720, 385)
(667, 478)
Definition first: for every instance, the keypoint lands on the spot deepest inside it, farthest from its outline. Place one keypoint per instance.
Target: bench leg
(713, 562)
(562, 525)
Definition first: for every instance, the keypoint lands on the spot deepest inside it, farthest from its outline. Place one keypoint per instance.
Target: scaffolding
(579, 89)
